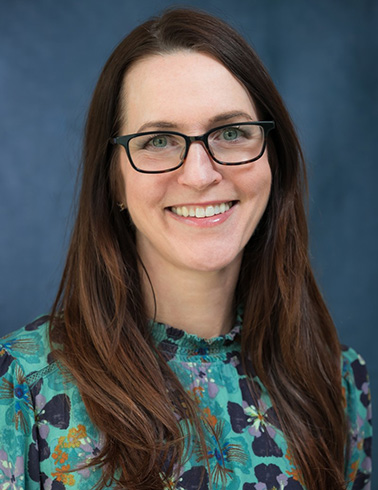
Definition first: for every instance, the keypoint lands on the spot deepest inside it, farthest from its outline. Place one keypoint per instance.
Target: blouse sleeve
(359, 414)
(16, 427)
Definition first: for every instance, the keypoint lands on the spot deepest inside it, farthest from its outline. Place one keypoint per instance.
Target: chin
(213, 263)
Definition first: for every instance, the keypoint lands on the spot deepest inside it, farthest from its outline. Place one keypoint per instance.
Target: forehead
(185, 88)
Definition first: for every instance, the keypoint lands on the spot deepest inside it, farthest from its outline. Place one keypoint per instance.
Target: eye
(230, 134)
(156, 143)
(159, 141)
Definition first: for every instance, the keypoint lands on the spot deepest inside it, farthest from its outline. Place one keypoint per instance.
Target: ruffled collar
(170, 339)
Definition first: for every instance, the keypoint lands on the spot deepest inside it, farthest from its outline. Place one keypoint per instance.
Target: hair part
(130, 392)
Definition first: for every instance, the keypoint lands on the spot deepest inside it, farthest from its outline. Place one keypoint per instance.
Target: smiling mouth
(202, 211)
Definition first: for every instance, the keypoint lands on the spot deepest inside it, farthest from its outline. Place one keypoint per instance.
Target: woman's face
(191, 93)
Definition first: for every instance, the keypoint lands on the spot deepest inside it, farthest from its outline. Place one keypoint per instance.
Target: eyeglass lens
(164, 150)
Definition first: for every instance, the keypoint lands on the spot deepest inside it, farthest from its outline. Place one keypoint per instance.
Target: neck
(200, 303)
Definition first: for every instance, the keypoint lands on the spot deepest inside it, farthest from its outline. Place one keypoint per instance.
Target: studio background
(323, 58)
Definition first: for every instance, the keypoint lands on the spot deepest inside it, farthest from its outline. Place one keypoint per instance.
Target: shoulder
(44, 426)
(356, 390)
(27, 348)
(25, 361)
(355, 375)
(356, 385)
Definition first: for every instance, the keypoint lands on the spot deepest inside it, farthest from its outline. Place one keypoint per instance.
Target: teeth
(209, 211)
(201, 212)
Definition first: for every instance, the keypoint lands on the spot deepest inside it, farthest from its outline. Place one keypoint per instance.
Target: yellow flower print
(211, 419)
(61, 475)
(295, 473)
(198, 393)
(75, 436)
(73, 439)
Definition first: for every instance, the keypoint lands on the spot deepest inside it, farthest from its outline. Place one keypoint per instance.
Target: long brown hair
(99, 313)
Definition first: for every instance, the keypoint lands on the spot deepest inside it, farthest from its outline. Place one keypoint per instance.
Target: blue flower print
(19, 393)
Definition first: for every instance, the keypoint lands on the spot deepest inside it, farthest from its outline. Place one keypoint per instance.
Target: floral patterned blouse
(45, 429)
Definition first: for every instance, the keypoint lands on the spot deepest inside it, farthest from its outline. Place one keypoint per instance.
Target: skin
(193, 263)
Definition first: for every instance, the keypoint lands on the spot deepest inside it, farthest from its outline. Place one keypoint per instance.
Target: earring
(121, 206)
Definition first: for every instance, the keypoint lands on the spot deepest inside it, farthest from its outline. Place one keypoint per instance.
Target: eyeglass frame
(125, 140)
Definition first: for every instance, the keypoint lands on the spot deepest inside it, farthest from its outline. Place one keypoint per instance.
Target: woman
(189, 346)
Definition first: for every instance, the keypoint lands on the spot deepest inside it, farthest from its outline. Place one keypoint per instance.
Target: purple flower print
(11, 476)
(202, 378)
(88, 449)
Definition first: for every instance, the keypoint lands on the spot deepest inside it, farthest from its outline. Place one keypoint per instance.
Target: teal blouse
(45, 429)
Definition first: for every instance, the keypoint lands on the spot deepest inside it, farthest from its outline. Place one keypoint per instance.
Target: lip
(205, 222)
(202, 204)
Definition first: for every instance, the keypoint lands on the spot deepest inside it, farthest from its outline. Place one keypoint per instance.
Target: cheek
(132, 184)
(265, 182)
(143, 193)
(258, 183)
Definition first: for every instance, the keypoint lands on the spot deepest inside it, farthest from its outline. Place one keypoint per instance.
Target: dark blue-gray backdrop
(323, 56)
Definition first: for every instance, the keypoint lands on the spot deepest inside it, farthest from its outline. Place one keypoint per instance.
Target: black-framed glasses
(155, 152)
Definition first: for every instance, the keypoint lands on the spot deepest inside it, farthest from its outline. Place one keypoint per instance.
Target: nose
(199, 170)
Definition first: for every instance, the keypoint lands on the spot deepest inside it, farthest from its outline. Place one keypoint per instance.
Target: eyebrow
(226, 116)
(219, 118)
